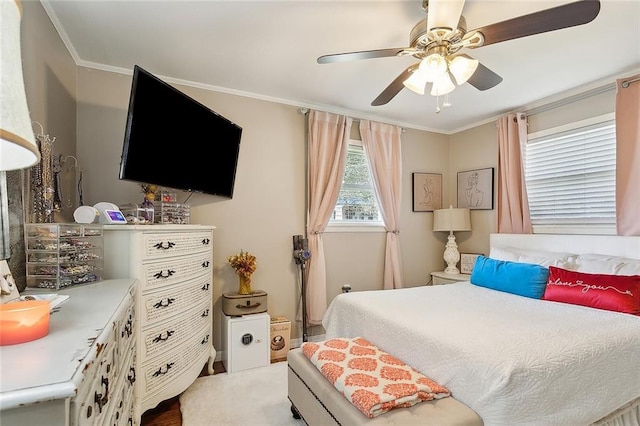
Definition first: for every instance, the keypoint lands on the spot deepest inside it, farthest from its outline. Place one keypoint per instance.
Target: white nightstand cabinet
(174, 268)
(440, 277)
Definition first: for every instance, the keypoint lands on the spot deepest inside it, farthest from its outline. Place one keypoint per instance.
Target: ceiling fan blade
(444, 13)
(394, 88)
(556, 18)
(483, 78)
(364, 54)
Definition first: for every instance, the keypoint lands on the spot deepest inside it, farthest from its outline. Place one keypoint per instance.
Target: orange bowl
(23, 321)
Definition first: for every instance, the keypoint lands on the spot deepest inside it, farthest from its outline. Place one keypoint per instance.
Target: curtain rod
(305, 111)
(627, 83)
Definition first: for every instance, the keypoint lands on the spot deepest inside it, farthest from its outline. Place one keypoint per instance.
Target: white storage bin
(246, 342)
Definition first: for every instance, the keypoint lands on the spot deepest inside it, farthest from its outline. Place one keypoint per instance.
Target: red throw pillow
(620, 293)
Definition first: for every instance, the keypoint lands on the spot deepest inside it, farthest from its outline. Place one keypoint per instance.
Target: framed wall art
(427, 192)
(475, 189)
(467, 260)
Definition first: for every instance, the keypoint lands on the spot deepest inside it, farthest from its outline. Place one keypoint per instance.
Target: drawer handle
(100, 400)
(163, 304)
(205, 340)
(205, 241)
(131, 377)
(160, 338)
(162, 275)
(167, 368)
(205, 313)
(248, 305)
(162, 246)
(206, 286)
(128, 328)
(205, 264)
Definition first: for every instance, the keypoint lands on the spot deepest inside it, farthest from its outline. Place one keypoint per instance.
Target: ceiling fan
(437, 41)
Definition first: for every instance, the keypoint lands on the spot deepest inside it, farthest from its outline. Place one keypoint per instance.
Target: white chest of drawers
(174, 268)
(82, 372)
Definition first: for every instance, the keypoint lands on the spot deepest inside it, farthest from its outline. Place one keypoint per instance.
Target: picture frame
(427, 191)
(475, 189)
(467, 260)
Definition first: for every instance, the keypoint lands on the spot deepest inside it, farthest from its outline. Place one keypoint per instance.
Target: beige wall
(49, 74)
(472, 149)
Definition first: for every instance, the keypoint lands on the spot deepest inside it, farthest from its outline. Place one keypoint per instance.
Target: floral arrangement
(149, 191)
(244, 263)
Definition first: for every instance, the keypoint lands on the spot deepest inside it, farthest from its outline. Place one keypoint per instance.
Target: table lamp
(451, 220)
(18, 148)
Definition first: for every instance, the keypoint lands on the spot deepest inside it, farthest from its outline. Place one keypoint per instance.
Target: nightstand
(440, 277)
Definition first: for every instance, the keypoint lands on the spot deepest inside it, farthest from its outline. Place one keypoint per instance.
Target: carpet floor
(251, 397)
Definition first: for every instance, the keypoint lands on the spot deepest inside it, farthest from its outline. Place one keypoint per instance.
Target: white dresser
(174, 268)
(82, 372)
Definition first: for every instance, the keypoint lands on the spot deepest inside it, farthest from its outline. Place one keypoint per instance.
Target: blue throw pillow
(524, 279)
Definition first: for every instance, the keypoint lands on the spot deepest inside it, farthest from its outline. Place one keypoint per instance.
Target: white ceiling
(268, 50)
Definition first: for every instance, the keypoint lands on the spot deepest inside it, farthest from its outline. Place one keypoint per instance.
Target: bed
(514, 360)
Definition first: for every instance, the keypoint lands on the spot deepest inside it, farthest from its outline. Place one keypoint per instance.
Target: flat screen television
(174, 141)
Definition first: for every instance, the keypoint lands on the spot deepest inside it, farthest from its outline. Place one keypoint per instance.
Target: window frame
(571, 229)
(357, 226)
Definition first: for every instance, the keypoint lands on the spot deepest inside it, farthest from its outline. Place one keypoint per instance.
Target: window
(570, 175)
(357, 202)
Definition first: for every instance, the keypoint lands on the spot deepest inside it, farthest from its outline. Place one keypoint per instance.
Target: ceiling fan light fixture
(442, 86)
(462, 67)
(416, 82)
(433, 67)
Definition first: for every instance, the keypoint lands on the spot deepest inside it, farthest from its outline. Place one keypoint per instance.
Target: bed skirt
(627, 415)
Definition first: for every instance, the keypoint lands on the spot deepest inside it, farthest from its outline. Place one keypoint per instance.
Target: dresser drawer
(172, 301)
(175, 244)
(96, 393)
(175, 270)
(158, 373)
(121, 412)
(168, 335)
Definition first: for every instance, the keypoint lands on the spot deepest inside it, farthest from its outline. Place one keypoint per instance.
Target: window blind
(570, 176)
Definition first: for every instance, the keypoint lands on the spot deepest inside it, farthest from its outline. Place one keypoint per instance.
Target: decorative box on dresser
(174, 268)
(83, 371)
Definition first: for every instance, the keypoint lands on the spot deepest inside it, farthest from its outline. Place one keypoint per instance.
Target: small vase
(245, 285)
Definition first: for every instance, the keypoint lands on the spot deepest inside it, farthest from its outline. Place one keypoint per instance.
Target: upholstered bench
(319, 403)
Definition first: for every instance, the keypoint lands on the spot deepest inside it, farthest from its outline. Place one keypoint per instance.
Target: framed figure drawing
(427, 192)
(475, 189)
(467, 261)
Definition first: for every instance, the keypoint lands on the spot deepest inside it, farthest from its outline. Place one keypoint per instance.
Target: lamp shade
(18, 148)
(451, 220)
(416, 82)
(442, 85)
(462, 67)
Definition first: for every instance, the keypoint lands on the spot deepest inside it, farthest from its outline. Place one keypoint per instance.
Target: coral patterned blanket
(371, 379)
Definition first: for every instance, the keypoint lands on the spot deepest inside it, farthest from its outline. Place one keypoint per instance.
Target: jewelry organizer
(169, 211)
(60, 255)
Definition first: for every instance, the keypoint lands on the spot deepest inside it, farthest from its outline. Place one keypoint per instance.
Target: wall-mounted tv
(174, 141)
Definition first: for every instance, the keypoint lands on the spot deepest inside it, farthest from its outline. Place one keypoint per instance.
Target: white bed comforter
(514, 360)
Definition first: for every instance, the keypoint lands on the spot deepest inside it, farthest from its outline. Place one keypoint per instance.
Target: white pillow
(605, 264)
(547, 261)
(538, 257)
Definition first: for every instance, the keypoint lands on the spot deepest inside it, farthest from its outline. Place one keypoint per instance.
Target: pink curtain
(381, 143)
(328, 143)
(513, 207)
(628, 156)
